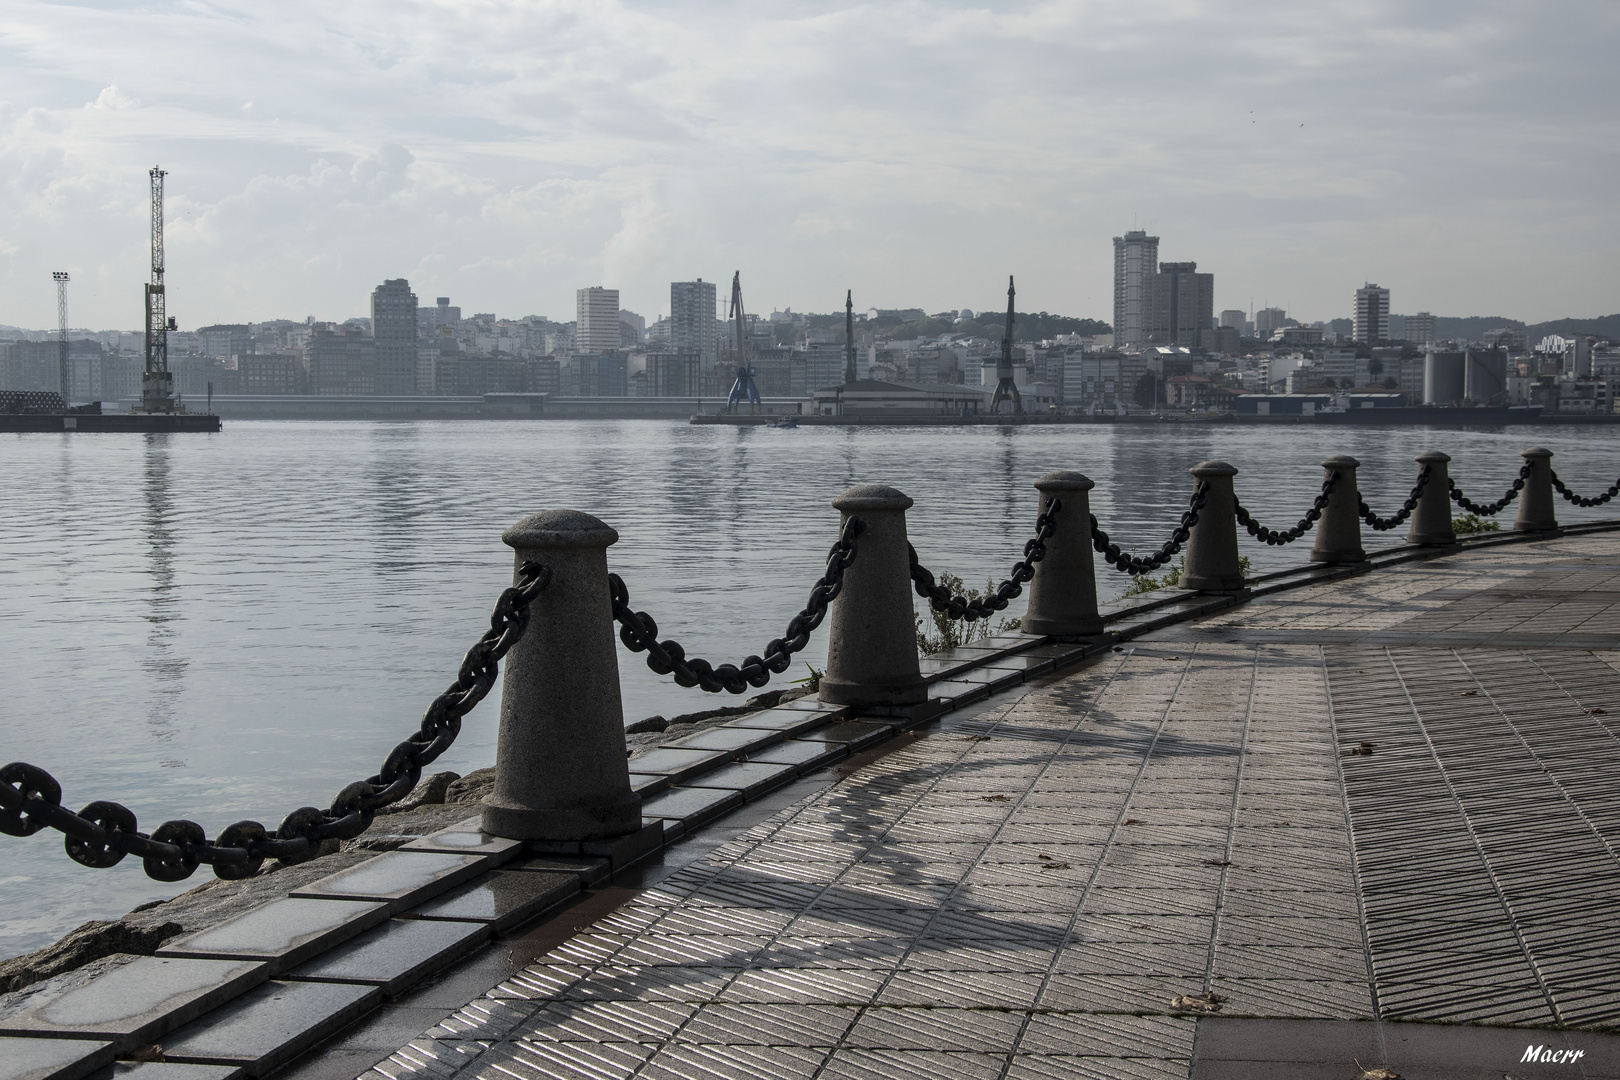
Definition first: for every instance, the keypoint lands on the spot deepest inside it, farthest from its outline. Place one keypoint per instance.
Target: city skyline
(1453, 153)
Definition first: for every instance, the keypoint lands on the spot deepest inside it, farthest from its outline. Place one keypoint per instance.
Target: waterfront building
(340, 363)
(267, 373)
(1136, 255)
(393, 326)
(1178, 305)
(225, 340)
(1372, 313)
(873, 397)
(596, 322)
(692, 322)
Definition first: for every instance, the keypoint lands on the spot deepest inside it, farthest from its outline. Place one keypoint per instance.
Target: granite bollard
(1338, 533)
(1063, 593)
(872, 642)
(1536, 508)
(1431, 521)
(560, 769)
(1212, 548)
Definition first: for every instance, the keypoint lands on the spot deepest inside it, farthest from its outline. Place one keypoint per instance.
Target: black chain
(1500, 504)
(639, 632)
(1127, 563)
(102, 833)
(1558, 486)
(1288, 536)
(960, 607)
(1382, 524)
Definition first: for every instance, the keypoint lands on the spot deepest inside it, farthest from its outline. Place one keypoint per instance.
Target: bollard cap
(1204, 470)
(1432, 457)
(560, 529)
(1065, 480)
(872, 497)
(1537, 452)
(1341, 461)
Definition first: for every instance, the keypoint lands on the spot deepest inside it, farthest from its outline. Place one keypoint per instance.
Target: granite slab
(283, 932)
(958, 691)
(466, 837)
(589, 870)
(271, 1024)
(503, 899)
(645, 784)
(789, 720)
(853, 734)
(166, 1070)
(804, 756)
(396, 955)
(735, 739)
(52, 1059)
(677, 764)
(399, 879)
(751, 778)
(693, 806)
(135, 1003)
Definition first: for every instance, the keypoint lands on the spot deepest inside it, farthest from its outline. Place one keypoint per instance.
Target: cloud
(917, 151)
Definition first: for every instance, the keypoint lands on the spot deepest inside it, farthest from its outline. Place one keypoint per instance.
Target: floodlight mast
(64, 374)
(157, 383)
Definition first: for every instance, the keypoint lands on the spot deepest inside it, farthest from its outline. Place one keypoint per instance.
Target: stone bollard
(872, 644)
(1536, 512)
(1063, 594)
(1431, 521)
(560, 770)
(1212, 549)
(1338, 533)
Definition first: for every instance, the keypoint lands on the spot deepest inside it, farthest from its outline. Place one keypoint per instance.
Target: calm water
(230, 626)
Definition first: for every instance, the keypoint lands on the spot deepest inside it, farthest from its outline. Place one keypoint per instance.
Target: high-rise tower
(393, 325)
(1372, 313)
(1136, 257)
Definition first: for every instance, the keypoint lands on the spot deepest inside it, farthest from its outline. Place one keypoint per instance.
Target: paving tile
(590, 871)
(751, 778)
(283, 932)
(684, 1061)
(607, 1021)
(693, 806)
(135, 1003)
(52, 1059)
(768, 1024)
(399, 879)
(1109, 1035)
(523, 1060)
(979, 1030)
(503, 899)
(271, 1024)
(678, 765)
(396, 955)
(804, 756)
(467, 837)
(855, 1064)
(167, 1070)
(737, 740)
(857, 735)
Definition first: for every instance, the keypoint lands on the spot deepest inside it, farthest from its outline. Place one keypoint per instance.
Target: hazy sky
(504, 154)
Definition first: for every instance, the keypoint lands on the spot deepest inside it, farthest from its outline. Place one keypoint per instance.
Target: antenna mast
(157, 383)
(61, 278)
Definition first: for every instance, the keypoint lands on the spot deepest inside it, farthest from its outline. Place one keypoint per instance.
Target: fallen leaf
(1217, 862)
(1043, 856)
(1364, 750)
(1596, 712)
(975, 738)
(995, 798)
(1133, 821)
(1283, 823)
(1375, 1074)
(1175, 658)
(1207, 1002)
(1054, 866)
(1468, 693)
(153, 1052)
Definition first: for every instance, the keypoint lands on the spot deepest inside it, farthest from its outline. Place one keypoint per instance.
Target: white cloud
(917, 151)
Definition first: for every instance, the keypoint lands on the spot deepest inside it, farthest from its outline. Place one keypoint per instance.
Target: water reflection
(163, 661)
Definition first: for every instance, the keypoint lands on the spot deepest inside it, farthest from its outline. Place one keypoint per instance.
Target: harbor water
(233, 625)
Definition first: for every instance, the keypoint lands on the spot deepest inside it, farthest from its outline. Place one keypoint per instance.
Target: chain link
(1499, 505)
(1277, 539)
(1599, 500)
(1127, 563)
(1383, 524)
(102, 833)
(639, 632)
(960, 607)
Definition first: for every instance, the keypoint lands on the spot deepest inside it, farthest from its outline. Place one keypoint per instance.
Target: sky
(1462, 154)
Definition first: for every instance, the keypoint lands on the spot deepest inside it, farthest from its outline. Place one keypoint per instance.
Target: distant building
(1372, 313)
(875, 398)
(393, 325)
(637, 325)
(224, 340)
(1267, 321)
(340, 363)
(1236, 319)
(1178, 305)
(596, 323)
(692, 323)
(1136, 255)
(429, 320)
(1419, 329)
(267, 373)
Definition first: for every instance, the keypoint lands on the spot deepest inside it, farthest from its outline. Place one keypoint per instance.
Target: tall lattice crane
(1006, 386)
(64, 373)
(157, 383)
(744, 388)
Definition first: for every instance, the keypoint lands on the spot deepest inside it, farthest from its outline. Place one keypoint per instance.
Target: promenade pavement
(1360, 813)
